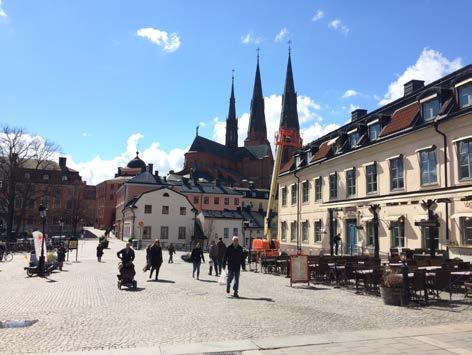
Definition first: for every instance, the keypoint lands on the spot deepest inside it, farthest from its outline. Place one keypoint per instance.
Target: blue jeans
(196, 267)
(233, 274)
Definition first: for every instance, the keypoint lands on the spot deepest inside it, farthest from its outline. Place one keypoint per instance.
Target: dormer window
(353, 139)
(374, 130)
(430, 109)
(465, 95)
(298, 160)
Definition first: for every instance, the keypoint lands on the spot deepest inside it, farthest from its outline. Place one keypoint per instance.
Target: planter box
(391, 296)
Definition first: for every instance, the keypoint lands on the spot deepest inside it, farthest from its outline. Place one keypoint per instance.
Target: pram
(126, 275)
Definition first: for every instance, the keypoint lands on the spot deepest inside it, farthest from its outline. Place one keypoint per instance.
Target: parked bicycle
(6, 256)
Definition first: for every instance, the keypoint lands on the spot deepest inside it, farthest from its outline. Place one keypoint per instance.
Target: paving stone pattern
(82, 309)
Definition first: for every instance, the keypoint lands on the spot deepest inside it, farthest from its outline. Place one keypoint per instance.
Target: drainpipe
(446, 183)
(299, 243)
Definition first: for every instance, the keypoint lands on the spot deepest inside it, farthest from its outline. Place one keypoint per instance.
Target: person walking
(234, 259)
(197, 258)
(337, 240)
(213, 252)
(148, 258)
(99, 252)
(155, 254)
(171, 253)
(61, 255)
(221, 253)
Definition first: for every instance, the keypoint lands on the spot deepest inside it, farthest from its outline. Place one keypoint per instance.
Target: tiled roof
(287, 166)
(256, 218)
(202, 144)
(146, 178)
(401, 119)
(322, 152)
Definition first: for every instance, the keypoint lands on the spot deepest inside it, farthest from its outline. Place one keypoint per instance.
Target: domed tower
(136, 163)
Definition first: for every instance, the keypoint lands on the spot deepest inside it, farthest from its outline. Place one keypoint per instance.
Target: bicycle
(7, 256)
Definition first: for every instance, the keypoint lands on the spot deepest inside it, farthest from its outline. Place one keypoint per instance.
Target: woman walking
(99, 252)
(197, 258)
(171, 253)
(155, 256)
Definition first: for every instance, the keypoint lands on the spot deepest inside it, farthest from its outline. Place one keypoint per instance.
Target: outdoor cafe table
(429, 268)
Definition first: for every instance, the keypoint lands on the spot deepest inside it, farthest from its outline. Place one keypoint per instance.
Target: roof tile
(322, 152)
(401, 119)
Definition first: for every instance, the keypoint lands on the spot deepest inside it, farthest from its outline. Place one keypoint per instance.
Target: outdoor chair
(422, 262)
(325, 273)
(418, 286)
(374, 279)
(468, 289)
(437, 261)
(463, 266)
(442, 282)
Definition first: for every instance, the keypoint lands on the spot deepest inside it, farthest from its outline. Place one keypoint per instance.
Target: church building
(253, 163)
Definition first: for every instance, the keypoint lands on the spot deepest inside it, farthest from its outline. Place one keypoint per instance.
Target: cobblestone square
(82, 309)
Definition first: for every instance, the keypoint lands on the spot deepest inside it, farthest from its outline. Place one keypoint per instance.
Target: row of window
(165, 210)
(31, 203)
(216, 200)
(147, 232)
(45, 177)
(226, 232)
(397, 233)
(428, 175)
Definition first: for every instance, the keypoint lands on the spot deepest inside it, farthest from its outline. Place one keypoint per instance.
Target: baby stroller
(126, 276)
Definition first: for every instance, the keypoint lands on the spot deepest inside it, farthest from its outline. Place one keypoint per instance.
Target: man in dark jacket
(234, 259)
(221, 254)
(126, 254)
(155, 258)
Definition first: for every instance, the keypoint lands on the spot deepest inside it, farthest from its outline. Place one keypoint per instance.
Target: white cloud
(250, 38)
(281, 35)
(337, 25)
(169, 42)
(431, 65)
(2, 13)
(310, 120)
(98, 169)
(349, 93)
(319, 14)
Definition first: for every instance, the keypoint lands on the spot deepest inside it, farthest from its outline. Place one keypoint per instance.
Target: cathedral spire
(289, 116)
(257, 130)
(231, 120)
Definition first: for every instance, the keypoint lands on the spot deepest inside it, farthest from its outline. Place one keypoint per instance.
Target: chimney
(62, 162)
(150, 168)
(357, 114)
(156, 173)
(412, 86)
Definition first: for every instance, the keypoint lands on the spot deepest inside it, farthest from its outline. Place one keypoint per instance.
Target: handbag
(223, 277)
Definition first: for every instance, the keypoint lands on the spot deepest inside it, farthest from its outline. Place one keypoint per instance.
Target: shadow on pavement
(310, 288)
(213, 281)
(266, 299)
(138, 289)
(162, 281)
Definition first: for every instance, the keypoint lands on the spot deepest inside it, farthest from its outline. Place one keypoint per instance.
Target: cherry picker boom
(285, 137)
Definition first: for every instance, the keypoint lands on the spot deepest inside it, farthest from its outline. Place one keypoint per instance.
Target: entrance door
(351, 237)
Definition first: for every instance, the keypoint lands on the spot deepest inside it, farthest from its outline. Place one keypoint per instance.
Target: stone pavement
(81, 309)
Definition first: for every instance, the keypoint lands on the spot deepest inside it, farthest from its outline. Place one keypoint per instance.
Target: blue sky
(100, 77)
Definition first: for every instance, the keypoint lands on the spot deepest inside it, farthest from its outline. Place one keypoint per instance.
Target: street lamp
(42, 214)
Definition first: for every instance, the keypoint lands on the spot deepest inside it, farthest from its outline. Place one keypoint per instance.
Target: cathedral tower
(232, 121)
(289, 115)
(257, 130)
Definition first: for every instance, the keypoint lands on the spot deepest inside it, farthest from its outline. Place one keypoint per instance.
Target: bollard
(406, 284)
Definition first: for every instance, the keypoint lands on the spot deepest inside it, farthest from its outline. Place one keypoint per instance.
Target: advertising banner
(38, 239)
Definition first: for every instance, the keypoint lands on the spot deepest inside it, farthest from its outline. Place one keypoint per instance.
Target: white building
(162, 214)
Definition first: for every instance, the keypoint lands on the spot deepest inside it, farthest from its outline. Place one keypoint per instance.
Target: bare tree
(19, 152)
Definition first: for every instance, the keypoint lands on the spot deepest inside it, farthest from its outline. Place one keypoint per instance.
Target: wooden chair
(418, 286)
(442, 282)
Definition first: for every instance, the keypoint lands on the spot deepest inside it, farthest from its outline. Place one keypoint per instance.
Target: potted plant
(391, 288)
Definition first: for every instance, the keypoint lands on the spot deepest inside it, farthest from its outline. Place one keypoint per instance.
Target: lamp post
(374, 209)
(42, 214)
(245, 227)
(61, 224)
